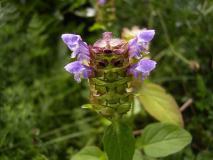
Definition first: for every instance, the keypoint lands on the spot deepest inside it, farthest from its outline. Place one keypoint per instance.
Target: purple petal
(83, 47)
(143, 68)
(87, 72)
(146, 35)
(146, 65)
(135, 48)
(71, 40)
(74, 67)
(80, 48)
(132, 70)
(101, 2)
(79, 70)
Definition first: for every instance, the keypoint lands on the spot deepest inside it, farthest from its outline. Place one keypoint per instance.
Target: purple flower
(140, 43)
(144, 67)
(80, 48)
(135, 49)
(71, 40)
(101, 2)
(133, 71)
(81, 51)
(145, 36)
(79, 70)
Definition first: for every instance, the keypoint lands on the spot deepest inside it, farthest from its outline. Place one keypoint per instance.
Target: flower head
(109, 53)
(79, 70)
(111, 67)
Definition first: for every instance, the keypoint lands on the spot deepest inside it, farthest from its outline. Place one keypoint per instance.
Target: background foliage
(40, 114)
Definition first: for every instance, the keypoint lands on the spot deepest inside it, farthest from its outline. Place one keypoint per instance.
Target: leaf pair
(157, 140)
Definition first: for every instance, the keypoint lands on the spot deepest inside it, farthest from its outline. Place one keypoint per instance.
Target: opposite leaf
(160, 104)
(160, 140)
(90, 153)
(119, 142)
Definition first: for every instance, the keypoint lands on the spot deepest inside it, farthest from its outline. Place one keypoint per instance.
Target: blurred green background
(40, 114)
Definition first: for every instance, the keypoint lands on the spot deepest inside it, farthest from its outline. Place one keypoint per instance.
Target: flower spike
(109, 66)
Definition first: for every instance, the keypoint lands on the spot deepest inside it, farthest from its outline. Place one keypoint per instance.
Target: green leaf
(160, 139)
(139, 156)
(160, 104)
(119, 142)
(90, 153)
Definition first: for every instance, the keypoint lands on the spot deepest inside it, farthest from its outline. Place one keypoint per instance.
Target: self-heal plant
(111, 66)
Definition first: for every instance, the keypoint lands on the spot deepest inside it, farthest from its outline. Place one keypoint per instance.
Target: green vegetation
(40, 113)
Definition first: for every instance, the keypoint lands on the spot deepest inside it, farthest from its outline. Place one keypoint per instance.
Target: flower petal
(134, 48)
(101, 2)
(146, 65)
(79, 70)
(74, 67)
(132, 70)
(140, 43)
(143, 68)
(71, 40)
(145, 35)
(80, 48)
